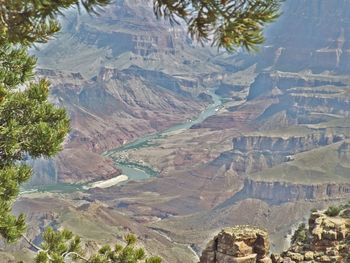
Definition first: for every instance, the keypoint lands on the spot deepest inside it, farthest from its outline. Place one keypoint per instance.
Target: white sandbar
(109, 182)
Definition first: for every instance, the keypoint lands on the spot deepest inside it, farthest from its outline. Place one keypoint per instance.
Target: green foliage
(30, 21)
(123, 254)
(29, 126)
(300, 235)
(57, 246)
(61, 246)
(225, 23)
(333, 210)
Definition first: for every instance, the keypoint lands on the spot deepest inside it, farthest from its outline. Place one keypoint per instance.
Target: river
(135, 171)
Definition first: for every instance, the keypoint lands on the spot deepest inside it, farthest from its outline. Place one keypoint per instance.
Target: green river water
(136, 171)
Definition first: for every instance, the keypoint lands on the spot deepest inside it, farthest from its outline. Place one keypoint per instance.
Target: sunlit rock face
(243, 244)
(325, 239)
(310, 34)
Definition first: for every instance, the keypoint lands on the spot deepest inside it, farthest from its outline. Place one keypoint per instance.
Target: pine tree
(229, 24)
(61, 246)
(29, 124)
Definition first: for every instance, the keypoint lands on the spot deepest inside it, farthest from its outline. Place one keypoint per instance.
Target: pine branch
(67, 254)
(31, 243)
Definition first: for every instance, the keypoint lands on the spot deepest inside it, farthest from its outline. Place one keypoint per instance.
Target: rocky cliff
(253, 153)
(238, 244)
(266, 82)
(282, 192)
(135, 29)
(308, 36)
(326, 239)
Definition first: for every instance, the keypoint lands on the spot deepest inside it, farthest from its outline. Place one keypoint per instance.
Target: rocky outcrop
(240, 244)
(281, 192)
(285, 146)
(157, 78)
(301, 98)
(254, 153)
(266, 82)
(327, 239)
(136, 30)
(308, 36)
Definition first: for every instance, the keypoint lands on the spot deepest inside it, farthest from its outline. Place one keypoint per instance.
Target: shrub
(333, 210)
(300, 235)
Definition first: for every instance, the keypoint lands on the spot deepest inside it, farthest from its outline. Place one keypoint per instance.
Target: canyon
(324, 239)
(223, 139)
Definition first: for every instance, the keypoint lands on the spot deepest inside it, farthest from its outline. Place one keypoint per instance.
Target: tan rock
(222, 258)
(265, 260)
(295, 256)
(329, 235)
(325, 259)
(276, 258)
(241, 244)
(331, 251)
(288, 260)
(309, 255)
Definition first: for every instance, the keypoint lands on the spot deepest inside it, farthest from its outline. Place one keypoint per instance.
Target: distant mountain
(309, 35)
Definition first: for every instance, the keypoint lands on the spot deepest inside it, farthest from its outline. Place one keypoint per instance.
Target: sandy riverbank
(109, 182)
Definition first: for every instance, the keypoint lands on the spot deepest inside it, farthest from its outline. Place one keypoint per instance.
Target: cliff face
(265, 82)
(285, 146)
(126, 33)
(325, 240)
(301, 99)
(251, 154)
(308, 36)
(238, 244)
(282, 192)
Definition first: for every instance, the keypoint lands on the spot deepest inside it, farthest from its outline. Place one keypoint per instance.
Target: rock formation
(327, 239)
(308, 36)
(243, 244)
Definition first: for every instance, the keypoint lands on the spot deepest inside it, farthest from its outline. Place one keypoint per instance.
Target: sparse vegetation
(64, 246)
(334, 210)
(313, 210)
(300, 235)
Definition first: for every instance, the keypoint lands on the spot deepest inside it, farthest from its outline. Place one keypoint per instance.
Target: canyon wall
(282, 192)
(309, 36)
(254, 153)
(324, 239)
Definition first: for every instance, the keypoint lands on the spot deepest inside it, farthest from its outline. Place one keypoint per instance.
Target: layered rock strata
(327, 239)
(238, 244)
(281, 192)
(254, 153)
